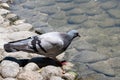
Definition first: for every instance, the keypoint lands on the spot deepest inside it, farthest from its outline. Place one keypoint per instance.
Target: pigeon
(48, 44)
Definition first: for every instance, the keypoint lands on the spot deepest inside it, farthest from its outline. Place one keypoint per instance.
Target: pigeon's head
(73, 33)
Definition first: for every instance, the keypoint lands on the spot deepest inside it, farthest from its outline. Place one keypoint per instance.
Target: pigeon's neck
(71, 36)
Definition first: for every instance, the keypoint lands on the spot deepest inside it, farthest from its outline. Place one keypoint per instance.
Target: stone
(17, 22)
(94, 11)
(115, 62)
(108, 5)
(2, 42)
(108, 22)
(19, 54)
(5, 23)
(23, 27)
(90, 24)
(29, 75)
(31, 67)
(1, 78)
(66, 6)
(84, 46)
(49, 71)
(10, 79)
(70, 53)
(57, 23)
(40, 25)
(45, 3)
(60, 56)
(49, 10)
(67, 66)
(64, 0)
(75, 11)
(1, 19)
(56, 78)
(89, 57)
(12, 17)
(5, 5)
(81, 1)
(20, 35)
(82, 69)
(39, 31)
(59, 15)
(2, 30)
(9, 69)
(28, 5)
(103, 67)
(78, 19)
(4, 11)
(17, 1)
(89, 5)
(43, 18)
(114, 12)
(70, 75)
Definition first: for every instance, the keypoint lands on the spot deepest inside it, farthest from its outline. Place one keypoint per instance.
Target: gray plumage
(49, 44)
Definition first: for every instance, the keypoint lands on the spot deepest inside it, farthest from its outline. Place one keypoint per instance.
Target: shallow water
(98, 22)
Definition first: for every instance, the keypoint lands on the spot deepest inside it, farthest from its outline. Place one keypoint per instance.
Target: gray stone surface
(114, 12)
(102, 67)
(77, 19)
(89, 57)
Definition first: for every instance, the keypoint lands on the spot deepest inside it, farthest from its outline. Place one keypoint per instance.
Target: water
(98, 22)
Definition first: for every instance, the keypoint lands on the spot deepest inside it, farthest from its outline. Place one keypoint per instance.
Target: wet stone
(44, 3)
(109, 5)
(59, 15)
(75, 11)
(89, 57)
(18, 1)
(115, 62)
(81, 1)
(64, 0)
(103, 67)
(49, 10)
(57, 23)
(84, 46)
(106, 23)
(66, 6)
(28, 5)
(114, 12)
(77, 19)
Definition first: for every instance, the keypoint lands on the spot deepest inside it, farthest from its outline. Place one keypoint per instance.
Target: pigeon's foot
(63, 62)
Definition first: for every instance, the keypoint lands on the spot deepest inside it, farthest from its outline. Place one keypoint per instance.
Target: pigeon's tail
(19, 45)
(8, 48)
